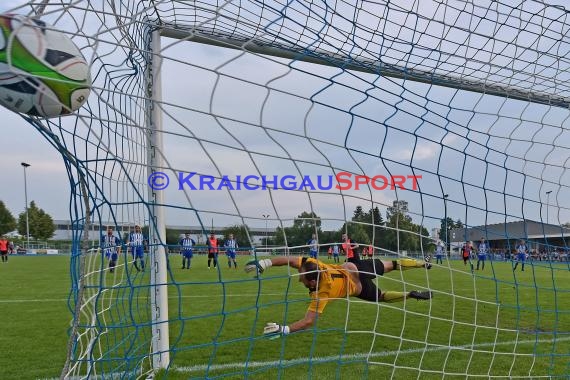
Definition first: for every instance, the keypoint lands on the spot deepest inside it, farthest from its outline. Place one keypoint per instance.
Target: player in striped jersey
(111, 246)
(137, 243)
(439, 252)
(336, 251)
(482, 250)
(313, 247)
(187, 251)
(231, 245)
(521, 255)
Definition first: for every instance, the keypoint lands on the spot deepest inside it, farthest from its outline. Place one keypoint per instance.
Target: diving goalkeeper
(327, 282)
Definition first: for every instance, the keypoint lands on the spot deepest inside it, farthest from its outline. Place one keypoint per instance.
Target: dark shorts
(368, 271)
(465, 259)
(354, 259)
(481, 257)
(187, 254)
(3, 253)
(370, 268)
(212, 255)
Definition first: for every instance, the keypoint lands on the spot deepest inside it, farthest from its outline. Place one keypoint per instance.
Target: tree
(378, 231)
(7, 220)
(41, 223)
(396, 237)
(449, 224)
(359, 214)
(330, 237)
(240, 233)
(172, 237)
(402, 233)
(356, 233)
(400, 208)
(304, 226)
(374, 226)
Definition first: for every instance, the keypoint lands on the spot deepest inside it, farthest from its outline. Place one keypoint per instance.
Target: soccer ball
(42, 72)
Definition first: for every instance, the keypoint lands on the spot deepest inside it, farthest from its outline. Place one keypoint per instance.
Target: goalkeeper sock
(405, 264)
(391, 296)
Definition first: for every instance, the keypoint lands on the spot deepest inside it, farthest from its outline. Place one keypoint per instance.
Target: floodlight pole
(446, 231)
(548, 205)
(26, 165)
(265, 216)
(157, 227)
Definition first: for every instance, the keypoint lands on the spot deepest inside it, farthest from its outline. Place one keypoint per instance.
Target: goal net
(401, 123)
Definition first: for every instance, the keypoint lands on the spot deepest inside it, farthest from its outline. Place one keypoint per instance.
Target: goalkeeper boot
(417, 295)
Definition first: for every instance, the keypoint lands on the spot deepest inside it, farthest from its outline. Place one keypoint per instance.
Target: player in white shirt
(313, 247)
(111, 246)
(439, 252)
(482, 250)
(521, 254)
(136, 244)
(187, 250)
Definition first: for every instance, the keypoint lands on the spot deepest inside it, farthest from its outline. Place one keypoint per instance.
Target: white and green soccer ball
(42, 72)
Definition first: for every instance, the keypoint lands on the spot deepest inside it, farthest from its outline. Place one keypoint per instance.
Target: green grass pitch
(492, 323)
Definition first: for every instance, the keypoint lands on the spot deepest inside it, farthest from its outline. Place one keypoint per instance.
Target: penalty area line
(327, 359)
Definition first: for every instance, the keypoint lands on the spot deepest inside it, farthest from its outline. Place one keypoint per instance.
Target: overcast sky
(432, 141)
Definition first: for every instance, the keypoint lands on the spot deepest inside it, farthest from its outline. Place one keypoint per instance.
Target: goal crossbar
(318, 56)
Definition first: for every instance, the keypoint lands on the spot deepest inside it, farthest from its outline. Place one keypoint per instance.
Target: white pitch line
(34, 300)
(171, 297)
(324, 359)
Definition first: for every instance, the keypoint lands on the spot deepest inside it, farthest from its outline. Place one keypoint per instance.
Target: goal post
(157, 225)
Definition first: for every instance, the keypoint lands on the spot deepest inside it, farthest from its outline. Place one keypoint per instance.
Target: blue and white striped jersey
(187, 244)
(136, 239)
(109, 244)
(231, 245)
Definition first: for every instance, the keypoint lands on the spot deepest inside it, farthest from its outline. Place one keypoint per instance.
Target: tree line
(365, 227)
(446, 226)
(397, 231)
(41, 223)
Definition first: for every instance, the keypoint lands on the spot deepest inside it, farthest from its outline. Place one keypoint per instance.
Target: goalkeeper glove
(274, 330)
(258, 266)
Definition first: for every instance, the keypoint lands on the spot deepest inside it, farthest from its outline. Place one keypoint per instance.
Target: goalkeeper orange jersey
(334, 282)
